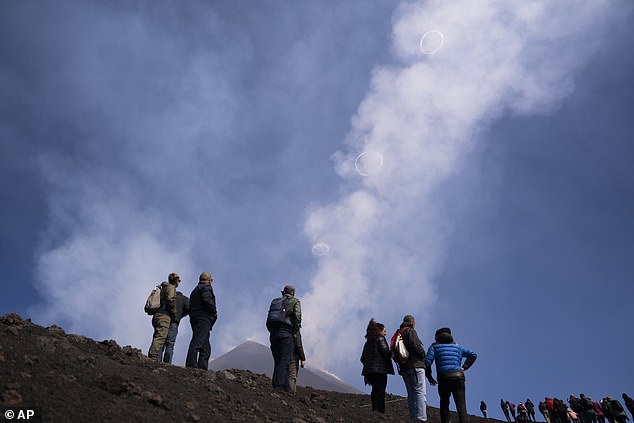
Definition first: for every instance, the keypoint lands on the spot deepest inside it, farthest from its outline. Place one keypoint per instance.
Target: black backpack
(278, 316)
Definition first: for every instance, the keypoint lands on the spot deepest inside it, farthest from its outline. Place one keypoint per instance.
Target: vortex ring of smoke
(368, 172)
(431, 51)
(320, 249)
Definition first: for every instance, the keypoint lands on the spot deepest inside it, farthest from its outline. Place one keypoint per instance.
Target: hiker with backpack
(588, 413)
(411, 366)
(162, 316)
(450, 372)
(377, 363)
(544, 410)
(283, 321)
(202, 317)
(182, 310)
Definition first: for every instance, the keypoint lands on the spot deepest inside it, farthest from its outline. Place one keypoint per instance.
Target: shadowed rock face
(71, 378)
(253, 356)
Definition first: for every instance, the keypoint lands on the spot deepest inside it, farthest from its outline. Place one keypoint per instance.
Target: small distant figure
(599, 410)
(512, 409)
(182, 310)
(504, 405)
(298, 359)
(377, 363)
(530, 409)
(587, 409)
(550, 406)
(561, 410)
(618, 412)
(575, 404)
(413, 369)
(544, 411)
(450, 372)
(202, 317)
(629, 403)
(522, 414)
(607, 409)
(163, 316)
(283, 321)
(483, 409)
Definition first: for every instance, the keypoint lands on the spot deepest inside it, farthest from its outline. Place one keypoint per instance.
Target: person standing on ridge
(544, 410)
(512, 409)
(182, 310)
(504, 405)
(483, 409)
(283, 321)
(377, 363)
(163, 316)
(530, 409)
(413, 369)
(450, 372)
(202, 317)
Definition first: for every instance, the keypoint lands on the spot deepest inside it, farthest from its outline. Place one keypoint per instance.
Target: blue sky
(495, 195)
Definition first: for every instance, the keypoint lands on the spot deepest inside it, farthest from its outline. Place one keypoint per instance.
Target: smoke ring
(365, 171)
(432, 51)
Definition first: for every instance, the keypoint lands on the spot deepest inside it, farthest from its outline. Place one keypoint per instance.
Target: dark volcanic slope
(70, 378)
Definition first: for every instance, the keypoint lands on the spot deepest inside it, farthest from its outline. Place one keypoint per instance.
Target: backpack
(278, 315)
(399, 350)
(153, 302)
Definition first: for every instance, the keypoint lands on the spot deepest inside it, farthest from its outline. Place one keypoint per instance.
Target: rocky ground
(71, 378)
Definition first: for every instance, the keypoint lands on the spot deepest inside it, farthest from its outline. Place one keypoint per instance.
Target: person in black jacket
(202, 316)
(413, 370)
(483, 409)
(182, 310)
(377, 363)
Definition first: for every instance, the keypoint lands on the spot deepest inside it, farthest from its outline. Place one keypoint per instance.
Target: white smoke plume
(423, 115)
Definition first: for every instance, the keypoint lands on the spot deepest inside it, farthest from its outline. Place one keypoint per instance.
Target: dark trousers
(531, 416)
(199, 348)
(378, 383)
(170, 341)
(282, 347)
(456, 387)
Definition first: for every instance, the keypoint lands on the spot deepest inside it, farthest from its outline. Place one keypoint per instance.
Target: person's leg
(292, 372)
(373, 381)
(460, 398)
(409, 379)
(195, 345)
(161, 323)
(444, 392)
(205, 350)
(421, 395)
(379, 387)
(169, 343)
(285, 346)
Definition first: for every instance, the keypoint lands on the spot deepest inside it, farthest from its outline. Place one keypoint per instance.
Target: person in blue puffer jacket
(450, 372)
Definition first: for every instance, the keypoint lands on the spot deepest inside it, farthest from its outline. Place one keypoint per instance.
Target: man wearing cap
(164, 315)
(202, 316)
(285, 319)
(450, 372)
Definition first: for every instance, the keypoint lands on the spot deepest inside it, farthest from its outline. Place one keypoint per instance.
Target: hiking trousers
(199, 348)
(414, 380)
(170, 341)
(378, 381)
(452, 387)
(161, 324)
(282, 347)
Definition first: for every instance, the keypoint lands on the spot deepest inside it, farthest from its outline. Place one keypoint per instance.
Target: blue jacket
(449, 357)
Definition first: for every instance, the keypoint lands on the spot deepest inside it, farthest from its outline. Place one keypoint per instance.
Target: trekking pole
(387, 402)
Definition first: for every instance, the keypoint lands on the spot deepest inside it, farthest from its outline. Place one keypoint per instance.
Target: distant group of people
(525, 412)
(415, 366)
(202, 312)
(579, 410)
